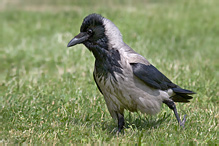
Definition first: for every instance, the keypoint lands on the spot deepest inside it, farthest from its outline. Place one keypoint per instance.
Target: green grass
(47, 91)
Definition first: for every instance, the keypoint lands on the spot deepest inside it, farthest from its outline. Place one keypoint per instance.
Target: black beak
(80, 38)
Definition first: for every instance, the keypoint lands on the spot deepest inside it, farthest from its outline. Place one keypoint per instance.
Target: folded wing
(155, 79)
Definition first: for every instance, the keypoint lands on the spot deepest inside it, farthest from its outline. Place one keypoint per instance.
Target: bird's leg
(121, 121)
(181, 123)
(172, 106)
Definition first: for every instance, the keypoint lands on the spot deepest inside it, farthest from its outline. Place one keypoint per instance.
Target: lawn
(47, 91)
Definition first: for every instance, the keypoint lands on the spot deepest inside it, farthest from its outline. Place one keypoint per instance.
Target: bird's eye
(90, 31)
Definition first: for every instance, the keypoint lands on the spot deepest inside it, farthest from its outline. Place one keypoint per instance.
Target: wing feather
(151, 76)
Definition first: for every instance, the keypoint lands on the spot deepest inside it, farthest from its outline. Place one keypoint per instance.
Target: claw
(117, 133)
(182, 123)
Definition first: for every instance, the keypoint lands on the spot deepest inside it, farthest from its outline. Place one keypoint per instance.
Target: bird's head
(97, 32)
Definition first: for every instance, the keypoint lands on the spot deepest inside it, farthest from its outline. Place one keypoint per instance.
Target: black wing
(154, 78)
(151, 76)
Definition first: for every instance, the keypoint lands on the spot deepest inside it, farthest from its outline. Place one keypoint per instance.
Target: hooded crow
(126, 79)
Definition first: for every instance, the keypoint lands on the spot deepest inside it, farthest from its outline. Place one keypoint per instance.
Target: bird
(126, 79)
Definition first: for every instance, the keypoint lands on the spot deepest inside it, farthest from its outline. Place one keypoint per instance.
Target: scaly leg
(172, 106)
(121, 121)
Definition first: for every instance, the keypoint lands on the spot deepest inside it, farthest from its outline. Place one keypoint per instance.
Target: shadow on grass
(137, 123)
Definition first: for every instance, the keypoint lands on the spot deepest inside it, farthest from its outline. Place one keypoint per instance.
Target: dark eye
(90, 31)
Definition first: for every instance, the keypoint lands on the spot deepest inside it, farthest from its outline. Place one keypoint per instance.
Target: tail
(182, 95)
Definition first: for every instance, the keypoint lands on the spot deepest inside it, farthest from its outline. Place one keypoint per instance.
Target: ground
(47, 91)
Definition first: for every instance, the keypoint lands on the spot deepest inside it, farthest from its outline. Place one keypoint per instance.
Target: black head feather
(93, 25)
(91, 21)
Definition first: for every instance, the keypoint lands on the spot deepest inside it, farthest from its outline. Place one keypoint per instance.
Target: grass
(47, 91)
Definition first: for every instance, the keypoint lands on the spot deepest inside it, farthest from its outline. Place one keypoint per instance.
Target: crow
(125, 78)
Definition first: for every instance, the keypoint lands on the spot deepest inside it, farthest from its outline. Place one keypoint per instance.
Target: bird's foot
(182, 123)
(117, 133)
(120, 131)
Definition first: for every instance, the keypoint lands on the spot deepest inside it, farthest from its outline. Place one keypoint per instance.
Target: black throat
(107, 60)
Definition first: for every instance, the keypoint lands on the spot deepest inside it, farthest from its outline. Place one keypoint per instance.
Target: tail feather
(182, 95)
(182, 91)
(177, 98)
